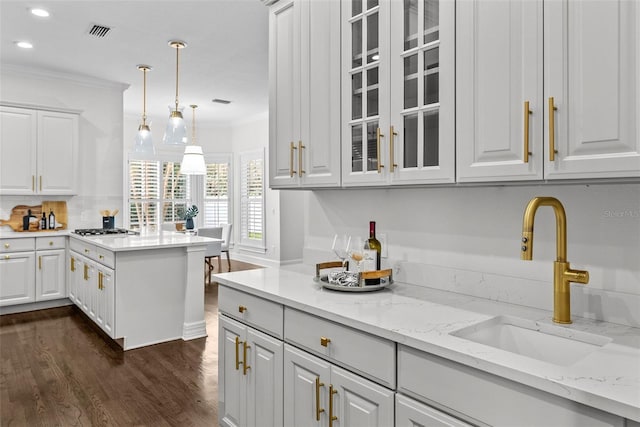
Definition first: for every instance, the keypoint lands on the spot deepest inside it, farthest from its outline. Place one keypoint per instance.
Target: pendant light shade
(176, 131)
(143, 142)
(193, 159)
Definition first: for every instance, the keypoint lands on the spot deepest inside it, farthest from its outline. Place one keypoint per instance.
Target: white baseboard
(41, 305)
(194, 330)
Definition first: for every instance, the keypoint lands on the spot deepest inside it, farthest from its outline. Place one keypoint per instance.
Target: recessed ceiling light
(40, 12)
(24, 45)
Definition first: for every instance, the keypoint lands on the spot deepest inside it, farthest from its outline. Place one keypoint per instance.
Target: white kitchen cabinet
(249, 376)
(481, 397)
(38, 152)
(105, 299)
(582, 56)
(318, 393)
(73, 277)
(410, 412)
(398, 92)
(17, 277)
(304, 94)
(51, 278)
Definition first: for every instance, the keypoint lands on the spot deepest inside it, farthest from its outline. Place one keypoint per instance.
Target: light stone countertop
(130, 242)
(423, 318)
(7, 233)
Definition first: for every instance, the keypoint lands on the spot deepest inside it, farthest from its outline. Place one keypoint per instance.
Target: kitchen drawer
(43, 243)
(105, 257)
(17, 245)
(455, 388)
(255, 311)
(371, 356)
(83, 248)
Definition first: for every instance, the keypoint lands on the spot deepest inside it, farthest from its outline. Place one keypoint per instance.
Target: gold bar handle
(552, 130)
(318, 408)
(40, 182)
(300, 147)
(33, 183)
(292, 171)
(378, 136)
(245, 366)
(100, 280)
(73, 264)
(40, 262)
(332, 417)
(392, 157)
(527, 113)
(86, 272)
(324, 341)
(238, 362)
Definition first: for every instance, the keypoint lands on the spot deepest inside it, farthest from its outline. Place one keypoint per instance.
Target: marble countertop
(10, 234)
(160, 240)
(423, 318)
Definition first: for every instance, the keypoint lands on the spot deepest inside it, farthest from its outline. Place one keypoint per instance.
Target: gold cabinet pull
(100, 256)
(238, 362)
(318, 408)
(40, 182)
(33, 183)
(552, 130)
(50, 243)
(6, 245)
(7, 257)
(392, 156)
(100, 280)
(245, 366)
(300, 147)
(292, 171)
(40, 262)
(73, 264)
(324, 341)
(86, 251)
(242, 308)
(379, 135)
(527, 113)
(332, 417)
(86, 272)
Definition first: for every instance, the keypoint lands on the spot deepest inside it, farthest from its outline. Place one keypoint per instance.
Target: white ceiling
(225, 57)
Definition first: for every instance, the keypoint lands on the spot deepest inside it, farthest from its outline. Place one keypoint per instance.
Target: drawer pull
(318, 408)
(101, 257)
(86, 251)
(6, 245)
(242, 308)
(51, 243)
(332, 417)
(7, 257)
(245, 366)
(324, 341)
(238, 362)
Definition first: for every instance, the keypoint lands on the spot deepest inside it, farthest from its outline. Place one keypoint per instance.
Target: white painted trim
(194, 330)
(47, 74)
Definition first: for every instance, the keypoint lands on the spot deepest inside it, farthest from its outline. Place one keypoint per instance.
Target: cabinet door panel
(57, 152)
(105, 299)
(51, 275)
(411, 413)
(18, 137)
(592, 70)
(498, 54)
(17, 278)
(264, 380)
(230, 389)
(300, 373)
(360, 402)
(72, 276)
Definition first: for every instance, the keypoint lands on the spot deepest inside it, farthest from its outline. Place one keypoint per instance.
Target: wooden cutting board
(15, 219)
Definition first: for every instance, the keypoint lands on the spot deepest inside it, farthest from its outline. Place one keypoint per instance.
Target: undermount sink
(548, 343)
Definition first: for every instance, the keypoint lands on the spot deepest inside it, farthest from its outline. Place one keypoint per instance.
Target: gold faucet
(563, 275)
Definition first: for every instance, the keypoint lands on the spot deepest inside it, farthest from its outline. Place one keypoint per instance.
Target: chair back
(212, 249)
(226, 236)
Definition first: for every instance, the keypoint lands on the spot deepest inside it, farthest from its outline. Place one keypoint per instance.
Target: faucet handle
(577, 276)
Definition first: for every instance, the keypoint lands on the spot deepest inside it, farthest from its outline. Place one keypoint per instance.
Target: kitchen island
(395, 353)
(140, 289)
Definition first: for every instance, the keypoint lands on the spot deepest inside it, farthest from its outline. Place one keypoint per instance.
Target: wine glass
(356, 251)
(340, 247)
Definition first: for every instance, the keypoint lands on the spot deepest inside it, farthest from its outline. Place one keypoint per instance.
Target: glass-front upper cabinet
(398, 92)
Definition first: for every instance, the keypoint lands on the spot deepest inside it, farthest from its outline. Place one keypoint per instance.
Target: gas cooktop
(101, 231)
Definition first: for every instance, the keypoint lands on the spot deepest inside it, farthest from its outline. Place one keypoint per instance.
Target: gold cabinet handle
(40, 262)
(50, 243)
(238, 362)
(291, 170)
(318, 408)
(33, 183)
(392, 157)
(40, 182)
(73, 264)
(86, 251)
(242, 308)
(552, 130)
(245, 366)
(100, 276)
(6, 245)
(7, 257)
(101, 257)
(332, 417)
(324, 341)
(300, 147)
(527, 113)
(379, 135)
(86, 272)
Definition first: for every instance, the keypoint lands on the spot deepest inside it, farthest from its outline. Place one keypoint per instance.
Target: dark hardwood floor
(57, 370)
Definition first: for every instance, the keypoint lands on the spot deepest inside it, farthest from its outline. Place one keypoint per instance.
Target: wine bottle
(43, 222)
(52, 220)
(375, 250)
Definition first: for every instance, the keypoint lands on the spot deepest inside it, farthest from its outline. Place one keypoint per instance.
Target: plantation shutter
(252, 232)
(216, 194)
(143, 192)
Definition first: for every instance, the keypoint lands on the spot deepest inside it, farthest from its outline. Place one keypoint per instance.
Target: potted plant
(191, 213)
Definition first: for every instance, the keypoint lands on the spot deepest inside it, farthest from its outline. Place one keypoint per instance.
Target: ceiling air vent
(99, 31)
(221, 101)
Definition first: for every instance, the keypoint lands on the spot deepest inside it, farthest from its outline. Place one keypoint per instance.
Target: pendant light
(176, 131)
(193, 159)
(144, 142)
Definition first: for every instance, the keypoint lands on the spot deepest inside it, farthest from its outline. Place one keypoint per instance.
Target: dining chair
(212, 250)
(226, 239)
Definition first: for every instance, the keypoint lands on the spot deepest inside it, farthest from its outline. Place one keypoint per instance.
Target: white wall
(100, 144)
(467, 239)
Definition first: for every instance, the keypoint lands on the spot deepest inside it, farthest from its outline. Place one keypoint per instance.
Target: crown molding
(48, 74)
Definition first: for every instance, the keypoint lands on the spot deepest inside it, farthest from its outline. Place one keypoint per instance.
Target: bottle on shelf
(373, 251)
(43, 222)
(52, 220)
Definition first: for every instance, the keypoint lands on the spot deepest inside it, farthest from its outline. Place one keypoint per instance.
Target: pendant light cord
(144, 96)
(177, 71)
(193, 124)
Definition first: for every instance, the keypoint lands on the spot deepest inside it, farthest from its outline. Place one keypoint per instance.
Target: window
(252, 224)
(217, 191)
(157, 192)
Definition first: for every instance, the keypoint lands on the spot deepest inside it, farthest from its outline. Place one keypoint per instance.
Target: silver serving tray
(324, 281)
